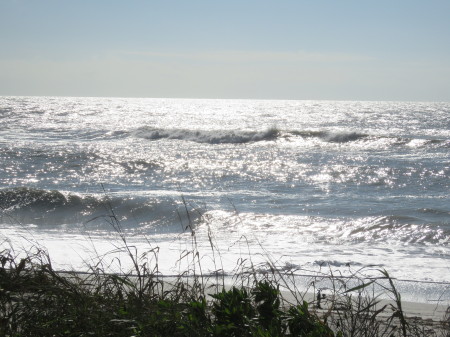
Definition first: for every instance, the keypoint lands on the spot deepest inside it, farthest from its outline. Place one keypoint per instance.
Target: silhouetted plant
(233, 311)
(270, 315)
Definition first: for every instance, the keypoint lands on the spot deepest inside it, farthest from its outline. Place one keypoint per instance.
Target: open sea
(308, 185)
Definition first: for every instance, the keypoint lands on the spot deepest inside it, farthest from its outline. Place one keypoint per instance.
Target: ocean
(307, 185)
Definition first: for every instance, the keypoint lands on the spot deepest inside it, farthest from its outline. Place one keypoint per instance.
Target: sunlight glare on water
(307, 182)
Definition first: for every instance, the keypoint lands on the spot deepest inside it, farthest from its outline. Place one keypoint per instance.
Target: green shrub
(234, 312)
(270, 316)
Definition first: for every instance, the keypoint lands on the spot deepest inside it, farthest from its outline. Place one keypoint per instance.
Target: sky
(332, 50)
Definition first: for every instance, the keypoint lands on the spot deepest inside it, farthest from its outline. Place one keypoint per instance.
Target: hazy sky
(367, 50)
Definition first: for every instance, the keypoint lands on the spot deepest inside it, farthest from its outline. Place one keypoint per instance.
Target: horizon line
(236, 99)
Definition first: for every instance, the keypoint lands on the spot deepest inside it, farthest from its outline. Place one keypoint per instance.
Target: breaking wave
(397, 228)
(392, 229)
(245, 136)
(211, 137)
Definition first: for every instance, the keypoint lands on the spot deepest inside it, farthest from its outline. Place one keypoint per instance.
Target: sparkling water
(305, 184)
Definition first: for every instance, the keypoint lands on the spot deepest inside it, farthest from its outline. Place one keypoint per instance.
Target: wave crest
(331, 136)
(52, 208)
(249, 136)
(21, 197)
(211, 137)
